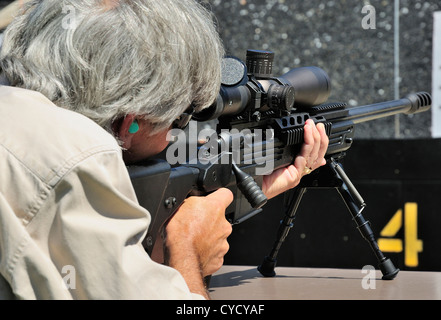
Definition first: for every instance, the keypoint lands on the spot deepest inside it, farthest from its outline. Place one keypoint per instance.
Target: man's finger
(222, 196)
(324, 141)
(309, 142)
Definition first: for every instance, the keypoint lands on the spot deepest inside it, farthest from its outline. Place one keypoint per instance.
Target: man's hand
(197, 234)
(197, 237)
(310, 158)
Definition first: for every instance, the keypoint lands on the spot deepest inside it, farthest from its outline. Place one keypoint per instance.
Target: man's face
(143, 145)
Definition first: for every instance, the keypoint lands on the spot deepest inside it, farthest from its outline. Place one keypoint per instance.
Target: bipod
(331, 175)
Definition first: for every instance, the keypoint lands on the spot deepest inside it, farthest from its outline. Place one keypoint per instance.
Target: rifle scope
(252, 88)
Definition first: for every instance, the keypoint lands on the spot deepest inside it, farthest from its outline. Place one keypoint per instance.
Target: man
(94, 86)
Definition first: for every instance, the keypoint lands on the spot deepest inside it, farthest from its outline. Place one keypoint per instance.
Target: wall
(365, 65)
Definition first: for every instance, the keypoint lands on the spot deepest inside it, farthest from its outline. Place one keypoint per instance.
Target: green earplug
(134, 127)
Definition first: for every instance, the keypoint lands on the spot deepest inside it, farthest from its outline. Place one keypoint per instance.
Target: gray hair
(150, 58)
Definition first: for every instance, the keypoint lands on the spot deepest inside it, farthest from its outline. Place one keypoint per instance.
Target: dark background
(393, 161)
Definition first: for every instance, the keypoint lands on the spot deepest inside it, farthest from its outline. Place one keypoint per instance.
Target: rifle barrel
(412, 103)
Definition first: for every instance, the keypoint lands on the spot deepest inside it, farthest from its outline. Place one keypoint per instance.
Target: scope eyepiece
(281, 97)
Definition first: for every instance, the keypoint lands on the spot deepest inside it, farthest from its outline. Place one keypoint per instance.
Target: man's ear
(121, 129)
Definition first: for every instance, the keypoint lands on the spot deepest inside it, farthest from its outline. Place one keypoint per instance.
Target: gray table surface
(246, 283)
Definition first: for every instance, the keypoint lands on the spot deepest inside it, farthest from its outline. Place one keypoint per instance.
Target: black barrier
(400, 180)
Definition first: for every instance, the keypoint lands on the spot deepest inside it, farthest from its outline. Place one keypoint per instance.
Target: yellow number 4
(412, 245)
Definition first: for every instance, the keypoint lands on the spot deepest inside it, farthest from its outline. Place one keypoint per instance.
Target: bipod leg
(355, 204)
(269, 262)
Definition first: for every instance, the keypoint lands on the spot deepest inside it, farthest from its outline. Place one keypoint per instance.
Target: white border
(436, 76)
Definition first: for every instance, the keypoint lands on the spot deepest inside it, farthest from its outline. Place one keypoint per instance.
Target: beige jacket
(70, 223)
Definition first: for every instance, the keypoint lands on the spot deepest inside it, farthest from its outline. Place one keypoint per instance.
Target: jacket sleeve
(93, 236)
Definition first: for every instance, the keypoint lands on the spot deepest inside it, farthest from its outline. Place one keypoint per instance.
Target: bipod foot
(388, 269)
